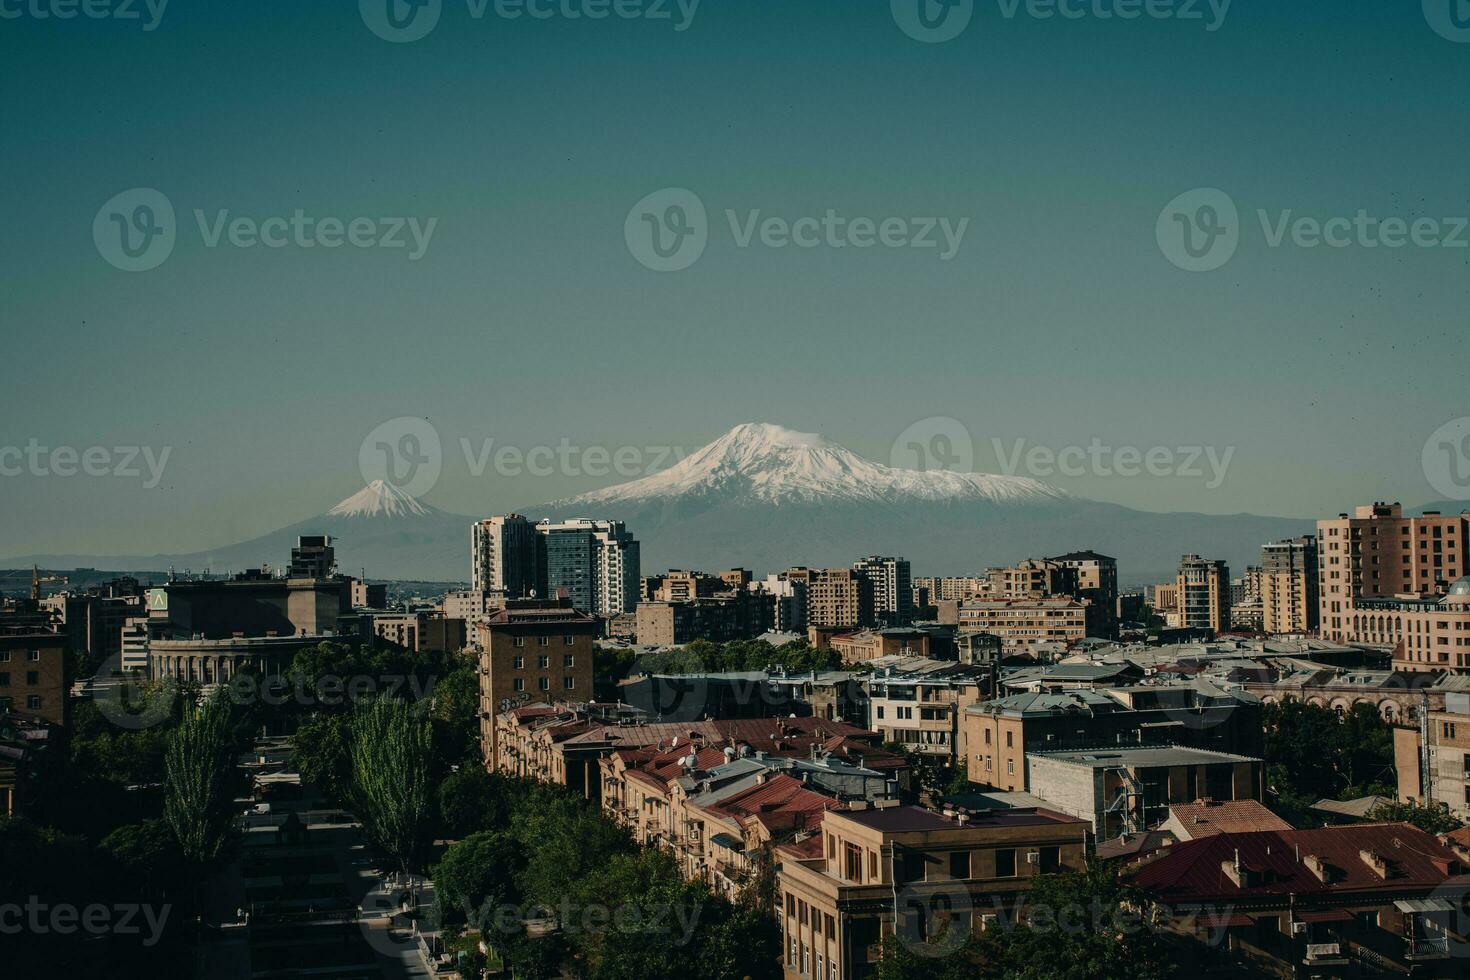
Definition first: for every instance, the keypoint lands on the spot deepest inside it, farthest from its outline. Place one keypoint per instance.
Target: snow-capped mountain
(380, 499)
(760, 463)
(764, 497)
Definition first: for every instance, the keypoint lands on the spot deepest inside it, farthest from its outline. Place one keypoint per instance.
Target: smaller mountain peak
(379, 499)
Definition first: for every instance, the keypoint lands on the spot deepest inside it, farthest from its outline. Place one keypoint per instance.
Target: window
(34, 702)
(34, 656)
(4, 656)
(4, 678)
(520, 684)
(1010, 743)
(1005, 863)
(33, 677)
(570, 683)
(519, 663)
(544, 683)
(567, 639)
(520, 641)
(1051, 859)
(872, 865)
(959, 864)
(569, 660)
(880, 712)
(1011, 767)
(544, 641)
(831, 931)
(821, 965)
(543, 662)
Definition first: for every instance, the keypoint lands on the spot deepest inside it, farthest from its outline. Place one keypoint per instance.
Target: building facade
(1204, 593)
(1288, 586)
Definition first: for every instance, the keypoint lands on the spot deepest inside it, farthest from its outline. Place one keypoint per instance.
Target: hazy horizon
(512, 157)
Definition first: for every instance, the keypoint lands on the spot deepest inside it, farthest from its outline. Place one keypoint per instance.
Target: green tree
(391, 752)
(321, 752)
(1435, 819)
(476, 877)
(200, 779)
(472, 799)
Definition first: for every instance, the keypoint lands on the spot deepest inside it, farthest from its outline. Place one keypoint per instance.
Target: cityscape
(641, 489)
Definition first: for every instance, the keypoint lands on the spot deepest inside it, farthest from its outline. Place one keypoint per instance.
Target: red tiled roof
(1226, 817)
(1193, 870)
(778, 793)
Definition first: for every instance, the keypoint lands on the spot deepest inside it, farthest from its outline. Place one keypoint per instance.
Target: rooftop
(1141, 757)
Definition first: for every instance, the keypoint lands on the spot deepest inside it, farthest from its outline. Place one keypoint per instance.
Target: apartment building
(1033, 577)
(33, 673)
(1432, 758)
(1000, 733)
(1096, 582)
(472, 605)
(1360, 900)
(903, 870)
(426, 631)
(834, 596)
(1288, 586)
(1380, 575)
(1023, 624)
(504, 557)
(918, 703)
(719, 618)
(953, 587)
(890, 583)
(1204, 593)
(1129, 789)
(532, 650)
(865, 645)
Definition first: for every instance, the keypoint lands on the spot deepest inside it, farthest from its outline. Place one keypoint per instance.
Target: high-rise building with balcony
(1204, 593)
(1288, 586)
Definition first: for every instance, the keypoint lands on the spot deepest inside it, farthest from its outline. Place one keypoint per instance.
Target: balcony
(1428, 948)
(1325, 954)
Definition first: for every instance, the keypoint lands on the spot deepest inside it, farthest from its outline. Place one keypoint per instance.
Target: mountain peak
(380, 499)
(757, 462)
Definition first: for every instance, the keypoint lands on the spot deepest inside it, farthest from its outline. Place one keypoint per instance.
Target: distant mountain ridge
(765, 497)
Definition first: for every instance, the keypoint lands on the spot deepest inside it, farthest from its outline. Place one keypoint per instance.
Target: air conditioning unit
(1298, 928)
(1033, 857)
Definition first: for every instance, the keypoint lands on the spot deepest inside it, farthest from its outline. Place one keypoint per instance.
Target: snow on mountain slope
(379, 499)
(767, 464)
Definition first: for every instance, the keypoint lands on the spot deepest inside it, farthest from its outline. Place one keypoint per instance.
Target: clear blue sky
(528, 321)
